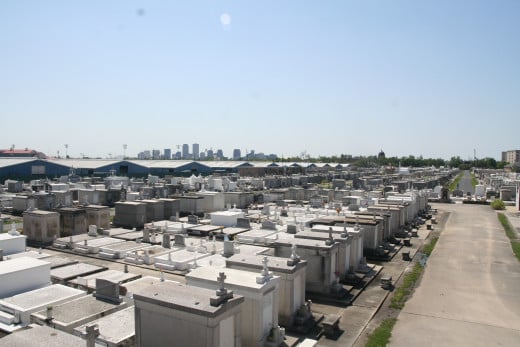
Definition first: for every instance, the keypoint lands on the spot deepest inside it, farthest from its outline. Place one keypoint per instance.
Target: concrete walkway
(470, 292)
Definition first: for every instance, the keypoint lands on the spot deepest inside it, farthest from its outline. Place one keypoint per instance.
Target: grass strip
(428, 248)
(474, 180)
(382, 334)
(402, 292)
(453, 185)
(510, 233)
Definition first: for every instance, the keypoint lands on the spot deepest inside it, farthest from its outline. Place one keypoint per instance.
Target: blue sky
(432, 78)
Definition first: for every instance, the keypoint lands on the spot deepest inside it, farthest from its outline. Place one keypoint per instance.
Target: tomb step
(6, 318)
(9, 328)
(107, 255)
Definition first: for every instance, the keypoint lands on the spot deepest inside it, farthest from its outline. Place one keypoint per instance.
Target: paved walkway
(470, 292)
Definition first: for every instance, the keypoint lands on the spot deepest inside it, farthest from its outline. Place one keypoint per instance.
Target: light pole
(125, 146)
(66, 151)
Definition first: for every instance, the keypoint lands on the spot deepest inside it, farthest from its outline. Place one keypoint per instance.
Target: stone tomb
(72, 314)
(115, 330)
(181, 260)
(169, 314)
(41, 226)
(93, 246)
(98, 215)
(226, 218)
(12, 242)
(145, 255)
(15, 311)
(291, 294)
(322, 262)
(66, 273)
(119, 250)
(344, 241)
(73, 221)
(259, 313)
(23, 274)
(43, 336)
(130, 214)
(88, 282)
(356, 244)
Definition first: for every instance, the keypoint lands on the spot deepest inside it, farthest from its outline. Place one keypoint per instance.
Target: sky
(433, 78)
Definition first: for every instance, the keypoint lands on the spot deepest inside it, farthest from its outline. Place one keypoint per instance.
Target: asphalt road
(470, 292)
(465, 184)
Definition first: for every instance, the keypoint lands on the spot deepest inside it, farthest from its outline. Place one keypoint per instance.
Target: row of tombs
(240, 292)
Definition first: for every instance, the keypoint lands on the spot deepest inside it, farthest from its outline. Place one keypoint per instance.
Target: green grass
(453, 185)
(402, 293)
(506, 225)
(511, 234)
(474, 180)
(428, 248)
(380, 336)
(498, 204)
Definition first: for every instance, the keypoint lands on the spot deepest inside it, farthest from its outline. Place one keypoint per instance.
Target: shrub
(498, 205)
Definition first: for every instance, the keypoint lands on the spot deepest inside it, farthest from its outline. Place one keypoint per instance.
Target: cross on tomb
(220, 279)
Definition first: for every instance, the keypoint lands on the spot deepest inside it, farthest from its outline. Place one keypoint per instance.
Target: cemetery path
(469, 293)
(465, 183)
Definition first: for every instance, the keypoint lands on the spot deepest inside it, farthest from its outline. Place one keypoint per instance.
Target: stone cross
(294, 256)
(220, 279)
(92, 331)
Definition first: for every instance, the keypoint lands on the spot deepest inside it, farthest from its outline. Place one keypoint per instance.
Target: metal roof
(84, 163)
(6, 162)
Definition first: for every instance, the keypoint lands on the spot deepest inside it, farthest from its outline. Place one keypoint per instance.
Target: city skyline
(437, 79)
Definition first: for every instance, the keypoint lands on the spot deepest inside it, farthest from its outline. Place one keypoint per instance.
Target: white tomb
(259, 315)
(23, 274)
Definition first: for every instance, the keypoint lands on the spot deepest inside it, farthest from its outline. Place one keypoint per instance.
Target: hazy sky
(433, 78)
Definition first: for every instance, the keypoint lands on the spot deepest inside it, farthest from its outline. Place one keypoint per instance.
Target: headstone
(107, 290)
(243, 223)
(291, 229)
(193, 219)
(179, 240)
(166, 240)
(92, 230)
(267, 224)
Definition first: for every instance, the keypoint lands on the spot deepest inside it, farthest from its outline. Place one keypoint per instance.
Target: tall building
(511, 157)
(167, 153)
(185, 151)
(156, 154)
(220, 154)
(196, 151)
(209, 153)
(237, 154)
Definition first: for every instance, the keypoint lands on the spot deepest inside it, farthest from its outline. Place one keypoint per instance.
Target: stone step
(6, 318)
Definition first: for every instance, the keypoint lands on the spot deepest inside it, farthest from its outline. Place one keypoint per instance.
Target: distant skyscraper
(237, 154)
(220, 154)
(167, 153)
(209, 153)
(185, 151)
(156, 154)
(196, 151)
